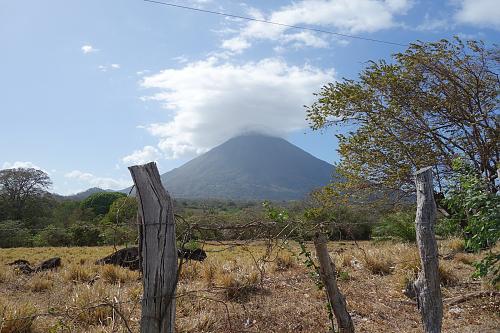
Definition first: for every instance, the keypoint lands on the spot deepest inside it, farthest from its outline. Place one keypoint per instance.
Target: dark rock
(49, 264)
(19, 262)
(128, 258)
(198, 254)
(410, 290)
(25, 266)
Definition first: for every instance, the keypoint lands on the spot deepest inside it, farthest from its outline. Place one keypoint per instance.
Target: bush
(118, 235)
(396, 226)
(474, 206)
(14, 234)
(52, 236)
(84, 234)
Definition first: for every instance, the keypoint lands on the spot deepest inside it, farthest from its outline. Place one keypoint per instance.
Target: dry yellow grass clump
(16, 318)
(233, 290)
(41, 282)
(79, 273)
(115, 274)
(285, 261)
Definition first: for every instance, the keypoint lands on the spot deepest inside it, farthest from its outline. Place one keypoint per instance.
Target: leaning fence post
(329, 279)
(158, 250)
(426, 286)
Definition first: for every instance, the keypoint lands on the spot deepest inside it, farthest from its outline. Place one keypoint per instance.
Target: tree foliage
(475, 209)
(100, 202)
(19, 187)
(433, 102)
(14, 234)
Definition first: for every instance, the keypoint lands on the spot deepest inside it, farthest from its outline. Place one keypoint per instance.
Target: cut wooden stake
(158, 250)
(329, 278)
(426, 286)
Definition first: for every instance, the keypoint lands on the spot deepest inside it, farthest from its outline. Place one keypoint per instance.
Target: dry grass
(79, 273)
(41, 282)
(89, 305)
(447, 275)
(379, 262)
(225, 292)
(239, 286)
(16, 318)
(455, 244)
(284, 262)
(115, 275)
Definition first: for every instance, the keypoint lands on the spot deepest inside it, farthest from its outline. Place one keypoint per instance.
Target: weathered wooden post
(158, 250)
(329, 278)
(426, 286)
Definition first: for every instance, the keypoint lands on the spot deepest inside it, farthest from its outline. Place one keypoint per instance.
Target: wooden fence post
(158, 250)
(426, 286)
(329, 278)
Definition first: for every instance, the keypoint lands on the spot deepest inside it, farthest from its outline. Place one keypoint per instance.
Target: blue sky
(89, 87)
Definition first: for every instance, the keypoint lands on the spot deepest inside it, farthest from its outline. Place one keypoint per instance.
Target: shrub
(52, 236)
(118, 235)
(14, 234)
(474, 206)
(84, 234)
(396, 226)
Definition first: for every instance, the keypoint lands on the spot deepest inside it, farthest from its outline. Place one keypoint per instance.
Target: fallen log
(464, 298)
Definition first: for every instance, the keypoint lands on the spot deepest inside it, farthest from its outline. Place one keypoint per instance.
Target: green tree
(432, 102)
(51, 235)
(14, 234)
(21, 188)
(119, 225)
(84, 234)
(123, 210)
(475, 209)
(100, 202)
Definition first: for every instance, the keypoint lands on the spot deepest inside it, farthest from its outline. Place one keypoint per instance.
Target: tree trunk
(329, 278)
(427, 287)
(158, 250)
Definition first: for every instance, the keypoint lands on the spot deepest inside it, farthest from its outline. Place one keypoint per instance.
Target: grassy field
(227, 293)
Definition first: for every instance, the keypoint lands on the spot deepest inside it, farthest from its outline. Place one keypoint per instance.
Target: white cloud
(236, 44)
(483, 13)
(146, 154)
(143, 72)
(88, 49)
(104, 68)
(102, 182)
(210, 102)
(20, 164)
(433, 24)
(345, 16)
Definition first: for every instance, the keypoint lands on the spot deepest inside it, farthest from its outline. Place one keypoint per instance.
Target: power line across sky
(206, 11)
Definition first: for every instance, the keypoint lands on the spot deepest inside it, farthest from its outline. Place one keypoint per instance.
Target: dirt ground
(237, 289)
